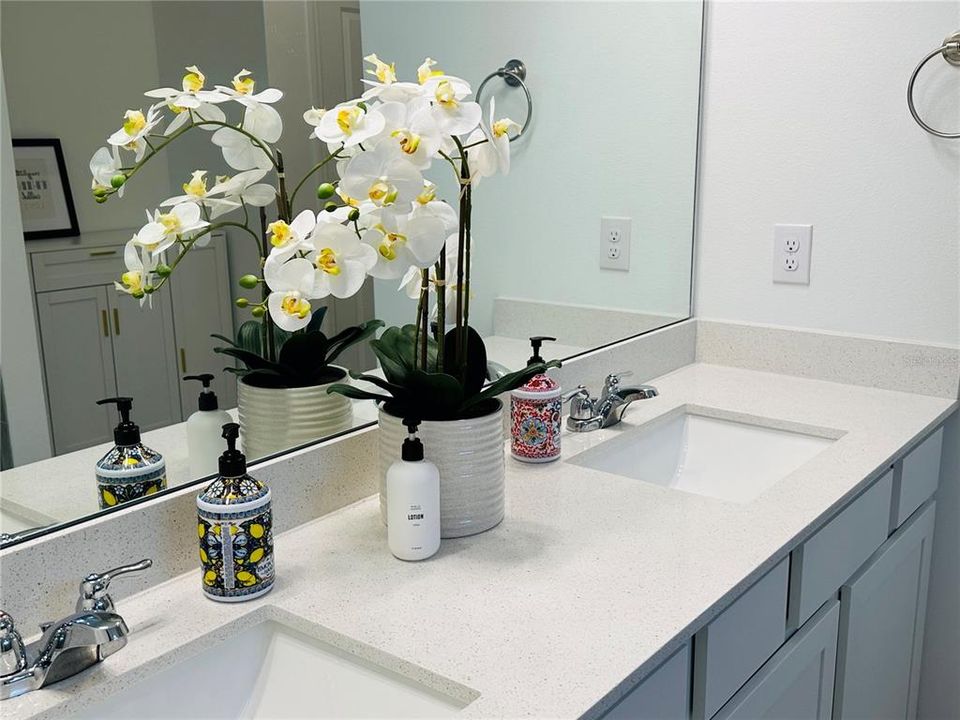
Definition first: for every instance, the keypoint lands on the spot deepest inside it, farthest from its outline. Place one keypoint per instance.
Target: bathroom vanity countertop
(592, 579)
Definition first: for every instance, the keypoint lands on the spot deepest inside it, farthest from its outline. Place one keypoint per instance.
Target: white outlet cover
(614, 250)
(791, 253)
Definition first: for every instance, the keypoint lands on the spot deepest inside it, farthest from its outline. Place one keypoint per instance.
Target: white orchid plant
(381, 218)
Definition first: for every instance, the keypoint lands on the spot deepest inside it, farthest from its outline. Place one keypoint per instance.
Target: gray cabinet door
(75, 332)
(201, 294)
(663, 695)
(881, 627)
(797, 682)
(142, 338)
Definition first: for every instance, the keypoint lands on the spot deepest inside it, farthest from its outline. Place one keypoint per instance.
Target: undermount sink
(272, 671)
(710, 456)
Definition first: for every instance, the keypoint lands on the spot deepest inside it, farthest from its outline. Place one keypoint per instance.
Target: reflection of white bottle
(413, 501)
(204, 430)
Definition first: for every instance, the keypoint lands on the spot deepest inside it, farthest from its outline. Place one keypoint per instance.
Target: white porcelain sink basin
(723, 459)
(271, 671)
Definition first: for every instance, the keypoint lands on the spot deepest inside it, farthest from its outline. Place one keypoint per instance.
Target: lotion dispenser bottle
(535, 412)
(205, 430)
(130, 470)
(235, 527)
(413, 501)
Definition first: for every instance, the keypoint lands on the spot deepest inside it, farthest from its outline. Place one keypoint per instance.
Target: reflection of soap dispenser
(535, 410)
(413, 501)
(205, 430)
(130, 470)
(235, 526)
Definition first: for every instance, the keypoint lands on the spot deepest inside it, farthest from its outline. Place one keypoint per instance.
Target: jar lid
(541, 383)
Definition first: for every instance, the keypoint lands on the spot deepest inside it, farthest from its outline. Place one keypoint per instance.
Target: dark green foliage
(432, 394)
(304, 358)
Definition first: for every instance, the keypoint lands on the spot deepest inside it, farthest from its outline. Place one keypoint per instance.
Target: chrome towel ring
(514, 72)
(950, 50)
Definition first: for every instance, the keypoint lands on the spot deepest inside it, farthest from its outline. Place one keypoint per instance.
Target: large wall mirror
(587, 240)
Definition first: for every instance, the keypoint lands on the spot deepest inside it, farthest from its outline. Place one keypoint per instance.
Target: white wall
(805, 121)
(29, 432)
(615, 87)
(72, 69)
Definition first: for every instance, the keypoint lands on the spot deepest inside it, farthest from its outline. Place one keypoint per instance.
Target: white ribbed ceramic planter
(275, 419)
(469, 455)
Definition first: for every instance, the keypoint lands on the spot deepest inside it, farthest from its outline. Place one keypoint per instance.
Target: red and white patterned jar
(535, 410)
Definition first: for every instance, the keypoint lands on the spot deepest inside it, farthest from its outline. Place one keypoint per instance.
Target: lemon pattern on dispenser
(235, 532)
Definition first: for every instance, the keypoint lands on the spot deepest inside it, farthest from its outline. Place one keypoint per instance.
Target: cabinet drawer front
(824, 562)
(797, 682)
(917, 477)
(663, 695)
(733, 646)
(65, 269)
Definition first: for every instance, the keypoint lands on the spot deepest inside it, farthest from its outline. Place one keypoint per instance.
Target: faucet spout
(620, 399)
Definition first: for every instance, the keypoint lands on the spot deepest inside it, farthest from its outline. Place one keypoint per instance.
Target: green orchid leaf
(509, 382)
(356, 393)
(350, 337)
(316, 320)
(252, 360)
(392, 388)
(250, 337)
(472, 367)
(224, 338)
(305, 354)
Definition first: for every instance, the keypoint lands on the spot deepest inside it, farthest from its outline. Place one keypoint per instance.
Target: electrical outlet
(615, 243)
(791, 253)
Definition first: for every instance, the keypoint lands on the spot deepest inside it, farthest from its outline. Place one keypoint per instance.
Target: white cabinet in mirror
(285, 232)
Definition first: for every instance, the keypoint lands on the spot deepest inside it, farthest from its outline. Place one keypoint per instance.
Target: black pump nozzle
(412, 450)
(233, 463)
(208, 398)
(535, 342)
(126, 433)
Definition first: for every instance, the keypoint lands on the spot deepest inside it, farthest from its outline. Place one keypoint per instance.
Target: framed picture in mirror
(46, 205)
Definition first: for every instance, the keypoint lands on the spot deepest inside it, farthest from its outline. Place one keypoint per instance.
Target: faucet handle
(93, 588)
(612, 382)
(13, 656)
(581, 404)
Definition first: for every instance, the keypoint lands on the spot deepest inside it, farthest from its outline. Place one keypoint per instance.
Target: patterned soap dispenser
(235, 526)
(130, 470)
(535, 411)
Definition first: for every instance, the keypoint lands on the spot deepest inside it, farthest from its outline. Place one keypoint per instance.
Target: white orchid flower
(191, 95)
(242, 91)
(498, 133)
(412, 281)
(312, 117)
(136, 126)
(402, 241)
(195, 191)
(291, 285)
(386, 87)
(484, 161)
(341, 261)
(163, 229)
(239, 151)
(140, 265)
(413, 129)
(383, 177)
(181, 116)
(286, 238)
(426, 71)
(104, 164)
(243, 187)
(427, 205)
(454, 115)
(350, 124)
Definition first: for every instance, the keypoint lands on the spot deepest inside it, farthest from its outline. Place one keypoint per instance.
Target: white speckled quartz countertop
(590, 579)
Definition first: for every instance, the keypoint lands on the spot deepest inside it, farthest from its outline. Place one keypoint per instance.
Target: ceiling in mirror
(587, 239)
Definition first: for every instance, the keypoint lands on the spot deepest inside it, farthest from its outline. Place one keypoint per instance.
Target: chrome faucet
(589, 413)
(67, 646)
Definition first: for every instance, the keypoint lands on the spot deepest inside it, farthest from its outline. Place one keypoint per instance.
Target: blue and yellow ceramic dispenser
(235, 527)
(130, 470)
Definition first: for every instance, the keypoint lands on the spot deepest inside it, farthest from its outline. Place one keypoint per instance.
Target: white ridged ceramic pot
(275, 419)
(469, 455)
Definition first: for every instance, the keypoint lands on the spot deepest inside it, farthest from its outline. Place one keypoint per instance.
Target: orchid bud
(99, 191)
(258, 311)
(353, 215)
(148, 289)
(248, 281)
(118, 180)
(325, 190)
(101, 199)
(241, 302)
(163, 270)
(137, 294)
(330, 206)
